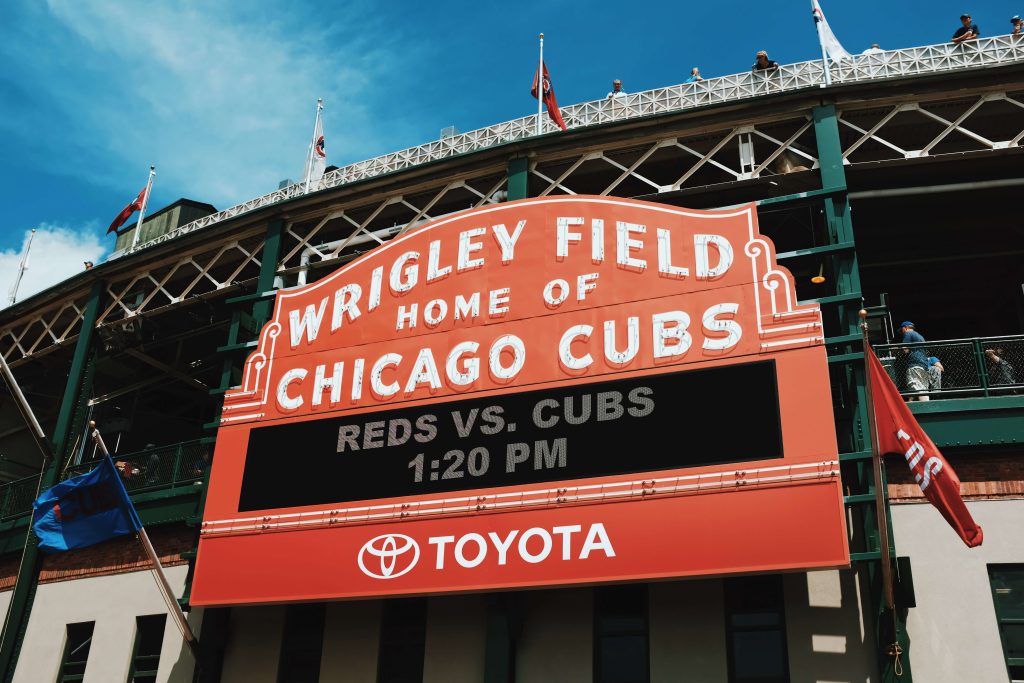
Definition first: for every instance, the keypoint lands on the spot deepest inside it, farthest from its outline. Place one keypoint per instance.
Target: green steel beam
(268, 269)
(518, 173)
(28, 573)
(858, 474)
(814, 251)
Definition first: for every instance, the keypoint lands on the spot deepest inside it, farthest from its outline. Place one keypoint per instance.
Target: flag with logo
(548, 95)
(84, 510)
(898, 432)
(133, 206)
(829, 42)
(316, 158)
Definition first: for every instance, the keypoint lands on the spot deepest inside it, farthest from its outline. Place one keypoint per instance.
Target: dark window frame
(601, 596)
(730, 586)
(397, 658)
(1011, 662)
(302, 642)
(140, 663)
(71, 649)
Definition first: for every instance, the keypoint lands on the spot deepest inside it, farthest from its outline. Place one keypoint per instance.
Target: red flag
(135, 205)
(899, 432)
(549, 97)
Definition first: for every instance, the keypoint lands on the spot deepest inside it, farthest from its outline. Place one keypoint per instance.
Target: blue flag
(83, 511)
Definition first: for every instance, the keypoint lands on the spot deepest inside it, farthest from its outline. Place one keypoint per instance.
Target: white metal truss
(323, 241)
(730, 151)
(48, 328)
(791, 77)
(914, 129)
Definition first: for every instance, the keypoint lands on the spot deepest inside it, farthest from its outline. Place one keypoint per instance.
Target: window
(620, 634)
(755, 626)
(76, 651)
(403, 635)
(302, 644)
(149, 640)
(1008, 595)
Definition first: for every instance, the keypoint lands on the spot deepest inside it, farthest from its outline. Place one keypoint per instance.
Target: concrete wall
(556, 644)
(351, 637)
(253, 648)
(687, 631)
(112, 602)
(455, 624)
(953, 631)
(828, 638)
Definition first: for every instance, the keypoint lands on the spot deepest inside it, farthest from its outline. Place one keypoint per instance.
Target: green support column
(268, 269)
(518, 172)
(28, 573)
(846, 275)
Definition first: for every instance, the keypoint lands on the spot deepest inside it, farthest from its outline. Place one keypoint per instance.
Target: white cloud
(57, 253)
(220, 97)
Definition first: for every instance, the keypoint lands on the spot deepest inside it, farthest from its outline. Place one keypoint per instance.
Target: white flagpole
(22, 267)
(819, 19)
(158, 569)
(145, 203)
(540, 85)
(312, 142)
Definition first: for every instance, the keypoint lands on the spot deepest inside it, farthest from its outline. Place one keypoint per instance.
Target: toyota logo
(389, 556)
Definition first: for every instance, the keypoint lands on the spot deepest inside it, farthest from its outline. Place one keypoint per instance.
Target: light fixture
(820, 277)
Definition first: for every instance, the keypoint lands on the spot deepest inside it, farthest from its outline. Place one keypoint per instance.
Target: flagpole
(145, 203)
(22, 267)
(819, 17)
(158, 569)
(540, 86)
(312, 143)
(880, 498)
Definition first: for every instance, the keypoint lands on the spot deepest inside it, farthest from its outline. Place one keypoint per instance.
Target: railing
(980, 366)
(160, 467)
(16, 496)
(791, 77)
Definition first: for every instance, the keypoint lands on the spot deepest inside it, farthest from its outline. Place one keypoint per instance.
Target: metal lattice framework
(394, 214)
(917, 129)
(48, 328)
(670, 163)
(792, 77)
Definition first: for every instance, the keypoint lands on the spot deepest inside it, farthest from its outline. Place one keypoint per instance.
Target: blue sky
(220, 94)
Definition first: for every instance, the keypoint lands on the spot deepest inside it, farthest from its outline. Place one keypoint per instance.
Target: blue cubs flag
(84, 510)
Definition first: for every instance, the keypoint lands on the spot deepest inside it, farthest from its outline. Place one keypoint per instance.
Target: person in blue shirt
(694, 76)
(917, 361)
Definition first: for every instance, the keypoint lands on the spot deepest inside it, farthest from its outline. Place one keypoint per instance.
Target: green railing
(16, 496)
(978, 366)
(159, 467)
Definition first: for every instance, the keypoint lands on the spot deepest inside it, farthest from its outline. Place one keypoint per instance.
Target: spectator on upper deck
(1018, 25)
(763, 63)
(935, 370)
(617, 90)
(917, 361)
(694, 76)
(969, 30)
(873, 50)
(999, 369)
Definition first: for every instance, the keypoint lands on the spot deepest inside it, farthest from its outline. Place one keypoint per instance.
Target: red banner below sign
(753, 527)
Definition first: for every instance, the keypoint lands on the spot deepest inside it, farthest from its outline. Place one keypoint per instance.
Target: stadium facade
(684, 497)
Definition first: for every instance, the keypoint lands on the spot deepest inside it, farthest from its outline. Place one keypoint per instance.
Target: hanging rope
(895, 651)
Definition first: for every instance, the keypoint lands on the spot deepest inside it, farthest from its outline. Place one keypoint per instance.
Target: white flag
(829, 43)
(316, 158)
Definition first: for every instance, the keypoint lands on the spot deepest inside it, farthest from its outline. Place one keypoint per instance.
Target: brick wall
(123, 554)
(983, 476)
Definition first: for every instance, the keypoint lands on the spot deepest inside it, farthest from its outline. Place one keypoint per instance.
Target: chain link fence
(16, 496)
(982, 366)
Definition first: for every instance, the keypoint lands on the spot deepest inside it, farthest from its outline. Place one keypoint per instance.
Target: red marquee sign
(551, 391)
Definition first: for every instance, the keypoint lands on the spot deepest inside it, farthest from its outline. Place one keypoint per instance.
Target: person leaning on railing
(1018, 25)
(762, 63)
(1000, 371)
(917, 361)
(969, 30)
